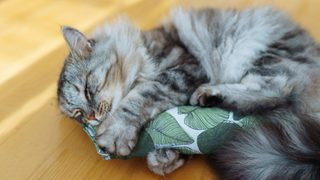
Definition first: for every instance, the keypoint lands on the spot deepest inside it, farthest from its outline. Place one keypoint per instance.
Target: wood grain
(36, 142)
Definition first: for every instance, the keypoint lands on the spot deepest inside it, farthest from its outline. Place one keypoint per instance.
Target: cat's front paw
(206, 96)
(117, 137)
(164, 161)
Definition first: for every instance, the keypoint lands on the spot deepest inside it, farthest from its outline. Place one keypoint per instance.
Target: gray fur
(164, 161)
(253, 61)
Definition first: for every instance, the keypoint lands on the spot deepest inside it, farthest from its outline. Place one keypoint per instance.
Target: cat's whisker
(109, 114)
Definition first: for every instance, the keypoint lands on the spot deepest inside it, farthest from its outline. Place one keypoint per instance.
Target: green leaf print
(186, 150)
(164, 130)
(212, 139)
(203, 118)
(144, 145)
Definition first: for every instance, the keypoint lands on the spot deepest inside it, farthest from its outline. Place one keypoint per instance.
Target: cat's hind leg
(253, 94)
(164, 161)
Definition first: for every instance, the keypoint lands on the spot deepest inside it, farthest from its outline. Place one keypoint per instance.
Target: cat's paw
(206, 96)
(117, 137)
(164, 161)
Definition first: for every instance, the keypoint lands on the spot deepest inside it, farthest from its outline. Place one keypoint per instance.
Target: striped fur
(253, 61)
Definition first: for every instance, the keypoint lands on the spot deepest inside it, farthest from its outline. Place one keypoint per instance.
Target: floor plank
(81, 143)
(32, 144)
(65, 164)
(136, 168)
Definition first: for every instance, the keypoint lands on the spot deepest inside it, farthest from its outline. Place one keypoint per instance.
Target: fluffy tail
(288, 147)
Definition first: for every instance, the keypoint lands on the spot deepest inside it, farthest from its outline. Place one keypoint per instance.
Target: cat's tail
(288, 147)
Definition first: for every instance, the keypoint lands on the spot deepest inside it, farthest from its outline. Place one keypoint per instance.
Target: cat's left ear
(78, 43)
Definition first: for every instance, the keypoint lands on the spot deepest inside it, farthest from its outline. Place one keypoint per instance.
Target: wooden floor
(36, 142)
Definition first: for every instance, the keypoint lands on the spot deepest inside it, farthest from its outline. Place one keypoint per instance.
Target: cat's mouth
(100, 114)
(94, 121)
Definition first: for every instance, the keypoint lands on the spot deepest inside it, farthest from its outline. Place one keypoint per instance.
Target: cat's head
(101, 70)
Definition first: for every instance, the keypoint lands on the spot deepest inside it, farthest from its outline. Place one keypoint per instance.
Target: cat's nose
(93, 121)
(92, 117)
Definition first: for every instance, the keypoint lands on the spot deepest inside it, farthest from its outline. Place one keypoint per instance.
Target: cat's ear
(78, 43)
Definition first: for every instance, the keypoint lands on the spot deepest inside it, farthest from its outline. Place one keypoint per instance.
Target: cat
(251, 61)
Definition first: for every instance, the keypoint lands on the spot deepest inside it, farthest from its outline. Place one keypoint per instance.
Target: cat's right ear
(80, 46)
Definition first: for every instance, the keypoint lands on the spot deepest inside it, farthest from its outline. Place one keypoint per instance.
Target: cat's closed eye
(87, 94)
(76, 113)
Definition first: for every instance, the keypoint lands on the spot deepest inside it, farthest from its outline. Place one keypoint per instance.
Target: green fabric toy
(188, 129)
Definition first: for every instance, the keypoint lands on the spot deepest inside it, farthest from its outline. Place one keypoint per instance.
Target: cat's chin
(94, 122)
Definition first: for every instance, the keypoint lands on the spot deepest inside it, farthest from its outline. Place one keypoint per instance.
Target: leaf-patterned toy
(188, 129)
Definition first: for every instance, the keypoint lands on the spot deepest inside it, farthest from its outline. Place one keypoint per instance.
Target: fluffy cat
(252, 61)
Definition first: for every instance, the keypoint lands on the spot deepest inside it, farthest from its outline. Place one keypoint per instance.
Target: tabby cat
(252, 61)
